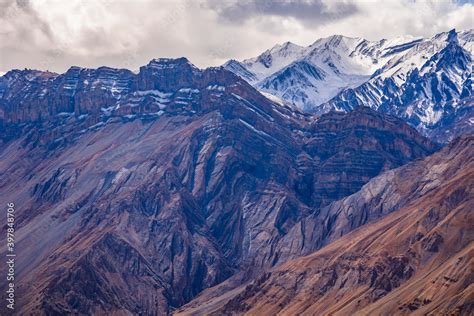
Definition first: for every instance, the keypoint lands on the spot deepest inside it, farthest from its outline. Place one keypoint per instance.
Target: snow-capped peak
(418, 75)
(272, 60)
(335, 42)
(286, 49)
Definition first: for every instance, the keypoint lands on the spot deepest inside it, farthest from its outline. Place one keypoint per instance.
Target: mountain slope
(416, 260)
(170, 184)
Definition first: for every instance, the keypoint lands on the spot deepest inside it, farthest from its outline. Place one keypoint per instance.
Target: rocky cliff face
(30, 95)
(169, 181)
(417, 260)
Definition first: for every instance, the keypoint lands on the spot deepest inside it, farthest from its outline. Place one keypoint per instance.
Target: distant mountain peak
(170, 63)
(452, 34)
(335, 41)
(284, 48)
(418, 79)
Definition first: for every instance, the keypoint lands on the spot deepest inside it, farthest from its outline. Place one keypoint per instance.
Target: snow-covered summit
(420, 79)
(272, 60)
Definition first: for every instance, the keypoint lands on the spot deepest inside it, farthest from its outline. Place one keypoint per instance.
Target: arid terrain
(418, 260)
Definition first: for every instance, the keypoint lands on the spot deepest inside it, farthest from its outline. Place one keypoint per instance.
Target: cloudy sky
(55, 34)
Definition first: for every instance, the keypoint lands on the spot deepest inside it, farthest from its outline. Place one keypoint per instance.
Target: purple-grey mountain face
(426, 82)
(416, 259)
(135, 192)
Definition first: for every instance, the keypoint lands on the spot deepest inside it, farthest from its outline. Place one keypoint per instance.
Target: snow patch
(216, 87)
(120, 174)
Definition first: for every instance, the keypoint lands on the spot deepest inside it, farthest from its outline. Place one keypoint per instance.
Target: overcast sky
(56, 34)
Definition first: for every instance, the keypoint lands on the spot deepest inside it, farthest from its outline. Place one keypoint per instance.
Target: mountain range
(426, 82)
(178, 190)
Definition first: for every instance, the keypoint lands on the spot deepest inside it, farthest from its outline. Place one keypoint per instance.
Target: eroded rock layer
(415, 261)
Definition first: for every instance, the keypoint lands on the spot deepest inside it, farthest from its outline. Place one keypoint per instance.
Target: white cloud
(55, 34)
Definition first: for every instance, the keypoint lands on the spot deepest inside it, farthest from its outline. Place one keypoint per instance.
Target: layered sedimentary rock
(417, 260)
(134, 192)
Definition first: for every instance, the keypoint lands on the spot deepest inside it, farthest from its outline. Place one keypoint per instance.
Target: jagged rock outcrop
(30, 95)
